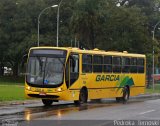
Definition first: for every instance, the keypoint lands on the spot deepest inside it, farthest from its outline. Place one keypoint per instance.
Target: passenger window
(117, 64)
(86, 63)
(97, 64)
(140, 65)
(133, 68)
(107, 67)
(125, 64)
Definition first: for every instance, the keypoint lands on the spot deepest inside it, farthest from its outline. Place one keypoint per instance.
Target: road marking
(146, 112)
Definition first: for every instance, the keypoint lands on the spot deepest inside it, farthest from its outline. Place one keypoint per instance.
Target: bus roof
(94, 51)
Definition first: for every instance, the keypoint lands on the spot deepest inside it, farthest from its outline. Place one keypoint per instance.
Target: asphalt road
(99, 113)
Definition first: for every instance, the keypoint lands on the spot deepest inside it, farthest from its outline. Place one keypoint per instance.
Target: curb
(26, 102)
(155, 95)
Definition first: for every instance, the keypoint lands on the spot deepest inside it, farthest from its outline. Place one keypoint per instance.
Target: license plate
(42, 93)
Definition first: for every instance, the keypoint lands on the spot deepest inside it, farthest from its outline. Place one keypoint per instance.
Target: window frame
(126, 66)
(107, 65)
(97, 65)
(86, 64)
(139, 66)
(117, 66)
(133, 65)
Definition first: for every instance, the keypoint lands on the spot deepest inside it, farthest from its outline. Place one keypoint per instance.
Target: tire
(125, 97)
(47, 102)
(96, 100)
(76, 102)
(118, 99)
(83, 96)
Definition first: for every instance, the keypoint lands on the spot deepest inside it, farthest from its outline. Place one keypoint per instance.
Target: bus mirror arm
(24, 59)
(25, 56)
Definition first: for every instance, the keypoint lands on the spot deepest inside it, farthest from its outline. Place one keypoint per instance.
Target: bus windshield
(45, 70)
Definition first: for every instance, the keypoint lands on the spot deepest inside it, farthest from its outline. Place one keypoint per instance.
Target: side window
(133, 68)
(140, 65)
(86, 63)
(74, 68)
(97, 63)
(67, 74)
(117, 64)
(125, 64)
(74, 63)
(107, 67)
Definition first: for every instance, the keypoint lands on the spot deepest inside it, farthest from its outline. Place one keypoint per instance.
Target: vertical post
(38, 33)
(71, 42)
(78, 44)
(39, 19)
(153, 54)
(153, 59)
(58, 23)
(153, 70)
(75, 42)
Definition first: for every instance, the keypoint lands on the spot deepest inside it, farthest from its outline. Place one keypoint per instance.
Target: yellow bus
(72, 74)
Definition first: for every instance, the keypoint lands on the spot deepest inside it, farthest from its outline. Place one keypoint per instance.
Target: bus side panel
(104, 93)
(101, 86)
(139, 85)
(137, 91)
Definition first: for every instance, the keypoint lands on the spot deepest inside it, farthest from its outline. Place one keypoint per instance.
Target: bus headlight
(59, 89)
(28, 88)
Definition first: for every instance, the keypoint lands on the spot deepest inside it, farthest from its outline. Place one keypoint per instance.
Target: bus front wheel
(47, 102)
(83, 96)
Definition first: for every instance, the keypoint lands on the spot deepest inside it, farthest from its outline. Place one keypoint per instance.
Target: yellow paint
(96, 90)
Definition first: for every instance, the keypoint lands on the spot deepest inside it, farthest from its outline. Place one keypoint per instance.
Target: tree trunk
(1, 69)
(149, 76)
(92, 37)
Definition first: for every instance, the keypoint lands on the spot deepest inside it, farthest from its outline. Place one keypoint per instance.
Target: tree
(85, 20)
(125, 30)
(94, 23)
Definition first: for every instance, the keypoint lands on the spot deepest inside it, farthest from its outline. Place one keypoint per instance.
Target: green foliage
(125, 30)
(85, 20)
(94, 23)
(8, 80)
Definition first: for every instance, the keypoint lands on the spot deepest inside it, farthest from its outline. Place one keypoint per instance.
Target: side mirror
(24, 59)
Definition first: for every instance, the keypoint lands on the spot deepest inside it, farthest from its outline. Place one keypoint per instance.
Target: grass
(156, 89)
(11, 92)
(11, 88)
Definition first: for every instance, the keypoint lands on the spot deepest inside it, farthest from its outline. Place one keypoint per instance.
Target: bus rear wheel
(118, 99)
(47, 102)
(125, 97)
(76, 102)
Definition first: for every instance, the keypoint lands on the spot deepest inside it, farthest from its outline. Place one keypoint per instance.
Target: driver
(54, 73)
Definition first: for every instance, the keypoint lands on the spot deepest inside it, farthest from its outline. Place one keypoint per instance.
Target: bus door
(72, 69)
